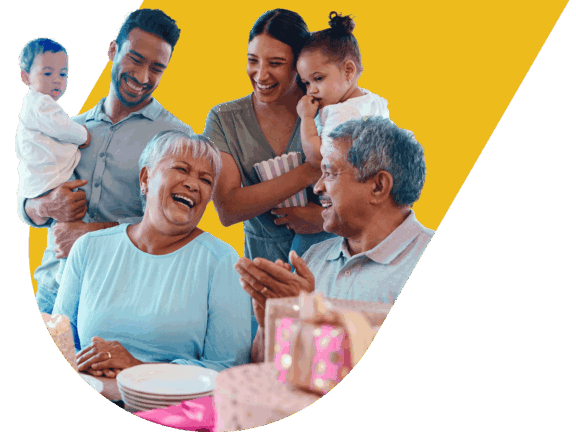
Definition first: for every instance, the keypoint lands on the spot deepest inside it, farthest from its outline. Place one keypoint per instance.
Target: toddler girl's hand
(307, 107)
(87, 143)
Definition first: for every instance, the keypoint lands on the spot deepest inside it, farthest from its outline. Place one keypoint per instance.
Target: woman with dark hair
(260, 127)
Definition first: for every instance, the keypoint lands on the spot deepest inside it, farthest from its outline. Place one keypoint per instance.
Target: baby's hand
(307, 107)
(87, 143)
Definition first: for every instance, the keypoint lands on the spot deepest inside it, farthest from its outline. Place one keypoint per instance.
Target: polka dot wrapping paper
(317, 349)
(288, 307)
(59, 328)
(311, 356)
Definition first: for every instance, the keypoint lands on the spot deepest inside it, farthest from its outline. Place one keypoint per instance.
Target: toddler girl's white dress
(331, 116)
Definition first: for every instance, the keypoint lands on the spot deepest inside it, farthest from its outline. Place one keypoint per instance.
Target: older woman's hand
(103, 355)
(263, 279)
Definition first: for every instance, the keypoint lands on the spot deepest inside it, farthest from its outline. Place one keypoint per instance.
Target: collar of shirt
(386, 250)
(150, 111)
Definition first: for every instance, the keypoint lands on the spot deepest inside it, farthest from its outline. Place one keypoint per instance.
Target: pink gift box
(314, 357)
(288, 307)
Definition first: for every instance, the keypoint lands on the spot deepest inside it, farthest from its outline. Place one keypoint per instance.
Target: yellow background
(447, 68)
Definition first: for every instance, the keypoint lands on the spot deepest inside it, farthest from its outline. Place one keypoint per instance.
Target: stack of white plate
(150, 386)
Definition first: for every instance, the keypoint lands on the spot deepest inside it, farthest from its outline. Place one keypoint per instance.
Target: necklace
(283, 135)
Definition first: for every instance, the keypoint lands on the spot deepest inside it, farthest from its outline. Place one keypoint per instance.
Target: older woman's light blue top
(185, 307)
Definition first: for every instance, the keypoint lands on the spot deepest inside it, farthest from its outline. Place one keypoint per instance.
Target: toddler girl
(329, 65)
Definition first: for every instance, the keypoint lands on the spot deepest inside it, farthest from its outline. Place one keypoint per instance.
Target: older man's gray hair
(173, 142)
(377, 144)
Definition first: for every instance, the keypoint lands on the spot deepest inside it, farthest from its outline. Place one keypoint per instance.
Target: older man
(121, 125)
(372, 173)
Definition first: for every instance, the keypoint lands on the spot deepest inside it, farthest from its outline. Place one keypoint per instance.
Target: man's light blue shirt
(185, 307)
(377, 275)
(110, 164)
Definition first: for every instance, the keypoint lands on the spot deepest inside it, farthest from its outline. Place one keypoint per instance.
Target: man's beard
(117, 82)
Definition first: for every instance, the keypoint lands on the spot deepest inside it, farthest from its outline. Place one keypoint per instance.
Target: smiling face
(271, 68)
(178, 189)
(346, 201)
(138, 66)
(48, 74)
(326, 81)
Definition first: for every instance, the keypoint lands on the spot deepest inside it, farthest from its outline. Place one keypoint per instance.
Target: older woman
(161, 290)
(259, 127)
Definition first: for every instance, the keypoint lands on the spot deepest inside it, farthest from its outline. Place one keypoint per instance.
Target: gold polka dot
(334, 357)
(286, 361)
(296, 308)
(285, 335)
(330, 384)
(325, 341)
(277, 348)
(319, 383)
(294, 327)
(343, 372)
(320, 367)
(335, 333)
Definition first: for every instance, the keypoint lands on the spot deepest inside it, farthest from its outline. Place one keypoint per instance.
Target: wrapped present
(272, 168)
(316, 351)
(59, 328)
(249, 396)
(289, 307)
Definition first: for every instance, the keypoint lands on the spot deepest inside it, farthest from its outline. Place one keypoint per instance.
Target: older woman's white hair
(173, 142)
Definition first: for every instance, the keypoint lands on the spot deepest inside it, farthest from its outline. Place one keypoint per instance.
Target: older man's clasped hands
(263, 280)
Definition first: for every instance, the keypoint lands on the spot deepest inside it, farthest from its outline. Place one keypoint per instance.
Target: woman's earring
(143, 191)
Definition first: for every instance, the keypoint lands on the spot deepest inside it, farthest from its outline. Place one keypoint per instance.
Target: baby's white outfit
(334, 115)
(47, 143)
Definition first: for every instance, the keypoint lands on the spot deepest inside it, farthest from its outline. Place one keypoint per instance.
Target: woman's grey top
(234, 129)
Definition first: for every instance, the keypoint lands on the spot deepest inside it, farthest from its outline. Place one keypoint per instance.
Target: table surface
(110, 390)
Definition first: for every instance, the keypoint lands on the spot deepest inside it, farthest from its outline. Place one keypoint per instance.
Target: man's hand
(61, 204)
(263, 279)
(307, 106)
(65, 234)
(303, 220)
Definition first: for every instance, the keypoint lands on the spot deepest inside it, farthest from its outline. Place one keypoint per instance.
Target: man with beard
(372, 174)
(121, 125)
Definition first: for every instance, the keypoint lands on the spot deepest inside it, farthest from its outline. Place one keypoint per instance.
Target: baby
(329, 66)
(47, 140)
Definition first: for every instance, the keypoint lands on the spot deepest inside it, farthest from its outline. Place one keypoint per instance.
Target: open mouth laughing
(265, 87)
(135, 89)
(325, 202)
(184, 200)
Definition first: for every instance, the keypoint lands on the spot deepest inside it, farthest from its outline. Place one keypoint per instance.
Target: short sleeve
(336, 115)
(215, 132)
